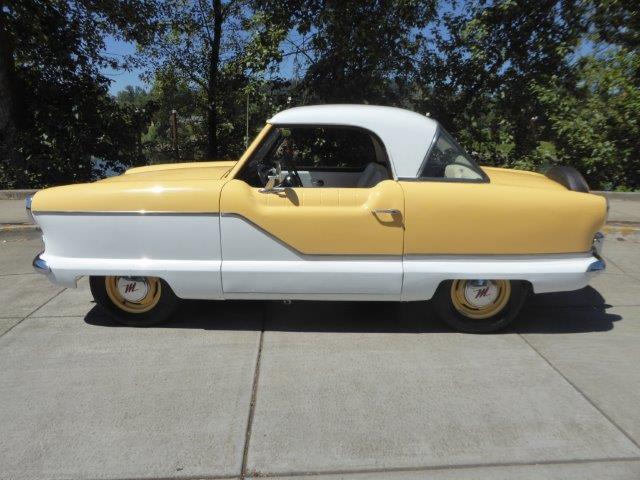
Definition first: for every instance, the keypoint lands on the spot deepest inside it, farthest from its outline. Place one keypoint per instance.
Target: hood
(520, 178)
(213, 170)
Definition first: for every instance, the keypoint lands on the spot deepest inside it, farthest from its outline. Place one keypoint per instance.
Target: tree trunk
(214, 61)
(8, 130)
(7, 123)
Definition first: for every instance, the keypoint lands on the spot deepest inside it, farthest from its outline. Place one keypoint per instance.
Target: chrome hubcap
(133, 289)
(480, 293)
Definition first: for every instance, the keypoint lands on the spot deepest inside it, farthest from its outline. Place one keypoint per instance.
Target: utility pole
(174, 133)
(246, 132)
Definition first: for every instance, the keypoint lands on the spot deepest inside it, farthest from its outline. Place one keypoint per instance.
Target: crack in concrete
(584, 395)
(252, 403)
(426, 468)
(29, 315)
(429, 468)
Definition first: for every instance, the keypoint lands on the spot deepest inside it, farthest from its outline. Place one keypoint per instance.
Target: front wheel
(480, 306)
(134, 301)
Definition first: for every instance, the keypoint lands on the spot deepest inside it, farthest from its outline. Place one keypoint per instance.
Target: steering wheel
(263, 171)
(293, 179)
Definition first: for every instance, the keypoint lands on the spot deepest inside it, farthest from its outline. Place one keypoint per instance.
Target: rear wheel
(479, 306)
(134, 301)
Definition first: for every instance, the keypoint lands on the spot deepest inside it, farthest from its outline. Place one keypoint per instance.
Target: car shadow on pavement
(569, 312)
(580, 311)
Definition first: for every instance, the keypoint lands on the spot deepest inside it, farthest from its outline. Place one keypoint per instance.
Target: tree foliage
(484, 60)
(528, 84)
(208, 48)
(350, 51)
(520, 84)
(57, 113)
(595, 127)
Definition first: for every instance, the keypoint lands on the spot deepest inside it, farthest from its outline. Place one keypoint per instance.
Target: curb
(15, 194)
(629, 196)
(623, 229)
(19, 232)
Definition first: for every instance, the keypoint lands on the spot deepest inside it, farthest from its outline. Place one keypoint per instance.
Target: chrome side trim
(498, 257)
(125, 212)
(40, 265)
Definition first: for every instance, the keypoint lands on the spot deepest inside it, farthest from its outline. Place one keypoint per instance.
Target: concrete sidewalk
(327, 390)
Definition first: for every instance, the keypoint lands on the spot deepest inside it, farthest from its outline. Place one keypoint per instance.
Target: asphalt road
(337, 390)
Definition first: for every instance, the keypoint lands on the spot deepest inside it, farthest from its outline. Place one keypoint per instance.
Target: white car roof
(406, 135)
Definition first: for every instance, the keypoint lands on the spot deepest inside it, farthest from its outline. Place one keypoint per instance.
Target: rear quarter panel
(485, 218)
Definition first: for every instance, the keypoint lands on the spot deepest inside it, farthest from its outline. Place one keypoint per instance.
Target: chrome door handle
(392, 211)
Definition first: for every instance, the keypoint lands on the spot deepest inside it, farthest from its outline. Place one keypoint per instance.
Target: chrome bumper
(27, 206)
(599, 264)
(40, 265)
(596, 266)
(598, 243)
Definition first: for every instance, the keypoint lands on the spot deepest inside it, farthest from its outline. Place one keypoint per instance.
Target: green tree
(350, 51)
(199, 45)
(55, 112)
(476, 76)
(595, 126)
(616, 22)
(155, 108)
(169, 92)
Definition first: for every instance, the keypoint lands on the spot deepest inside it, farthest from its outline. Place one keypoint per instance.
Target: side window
(337, 149)
(447, 160)
(318, 156)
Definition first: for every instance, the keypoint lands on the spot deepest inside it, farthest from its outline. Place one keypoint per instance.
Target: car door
(312, 243)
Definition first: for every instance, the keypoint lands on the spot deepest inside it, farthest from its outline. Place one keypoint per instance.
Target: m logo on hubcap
(132, 289)
(480, 296)
(483, 292)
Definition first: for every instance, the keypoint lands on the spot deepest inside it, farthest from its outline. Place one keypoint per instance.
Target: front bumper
(27, 205)
(40, 265)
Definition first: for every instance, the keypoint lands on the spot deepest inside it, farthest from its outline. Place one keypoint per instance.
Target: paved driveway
(338, 390)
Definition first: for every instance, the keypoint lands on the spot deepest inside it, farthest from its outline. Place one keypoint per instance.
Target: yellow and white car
(334, 202)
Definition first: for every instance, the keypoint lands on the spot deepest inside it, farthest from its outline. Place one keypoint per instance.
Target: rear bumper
(598, 244)
(598, 265)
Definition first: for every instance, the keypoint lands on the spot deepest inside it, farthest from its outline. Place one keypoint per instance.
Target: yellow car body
(209, 233)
